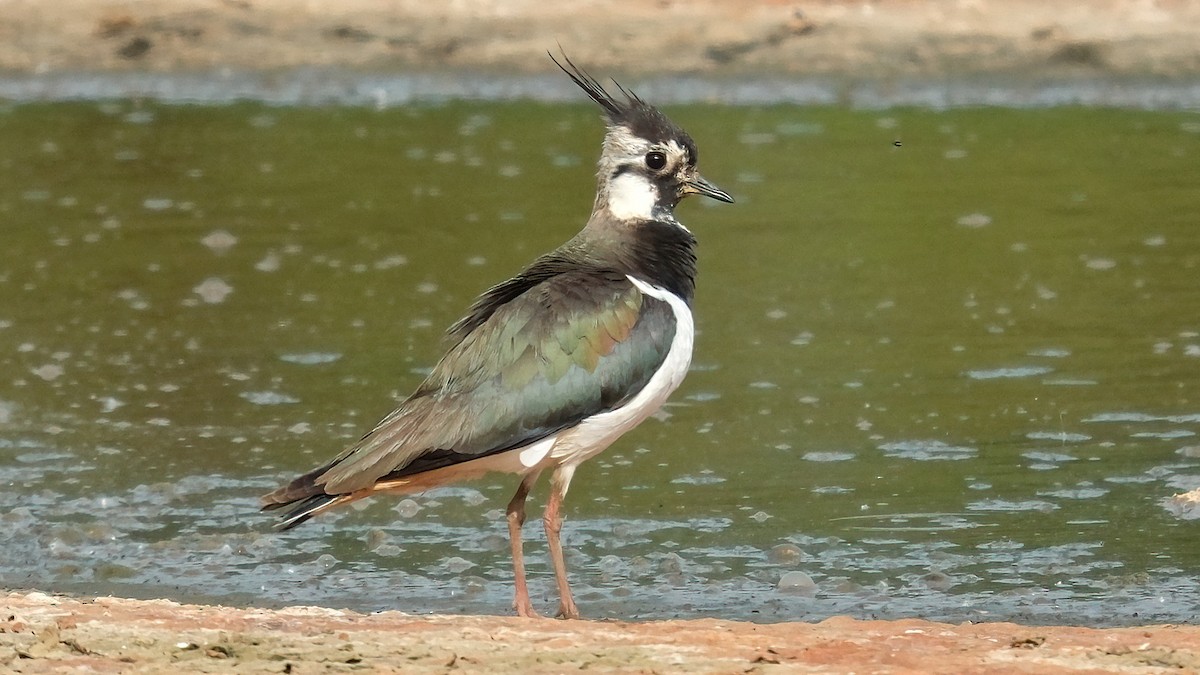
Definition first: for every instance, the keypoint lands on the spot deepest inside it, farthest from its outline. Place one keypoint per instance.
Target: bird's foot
(526, 610)
(568, 610)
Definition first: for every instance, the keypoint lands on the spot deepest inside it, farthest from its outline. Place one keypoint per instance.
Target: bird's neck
(657, 250)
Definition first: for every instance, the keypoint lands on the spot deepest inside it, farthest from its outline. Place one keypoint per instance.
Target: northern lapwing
(550, 367)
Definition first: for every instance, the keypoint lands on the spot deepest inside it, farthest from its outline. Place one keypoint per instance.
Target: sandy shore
(42, 634)
(1021, 38)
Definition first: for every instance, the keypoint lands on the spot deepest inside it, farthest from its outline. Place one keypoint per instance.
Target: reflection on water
(950, 377)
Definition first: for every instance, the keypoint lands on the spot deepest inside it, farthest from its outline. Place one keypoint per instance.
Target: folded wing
(528, 362)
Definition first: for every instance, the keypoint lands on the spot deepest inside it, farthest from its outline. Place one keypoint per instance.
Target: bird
(550, 367)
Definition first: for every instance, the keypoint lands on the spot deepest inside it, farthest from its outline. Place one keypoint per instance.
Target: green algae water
(946, 366)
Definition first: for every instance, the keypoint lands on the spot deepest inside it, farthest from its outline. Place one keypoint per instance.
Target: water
(945, 366)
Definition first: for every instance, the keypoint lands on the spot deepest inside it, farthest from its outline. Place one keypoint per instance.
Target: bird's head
(648, 163)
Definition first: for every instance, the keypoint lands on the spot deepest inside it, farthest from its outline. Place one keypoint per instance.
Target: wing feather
(569, 347)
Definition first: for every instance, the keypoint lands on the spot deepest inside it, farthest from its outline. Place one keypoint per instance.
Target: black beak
(699, 186)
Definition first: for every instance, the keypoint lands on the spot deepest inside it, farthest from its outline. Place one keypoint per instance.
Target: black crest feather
(641, 118)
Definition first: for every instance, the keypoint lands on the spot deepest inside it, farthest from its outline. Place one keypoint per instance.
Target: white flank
(532, 455)
(596, 433)
(631, 197)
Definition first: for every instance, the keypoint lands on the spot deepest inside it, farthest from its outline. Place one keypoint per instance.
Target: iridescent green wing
(568, 347)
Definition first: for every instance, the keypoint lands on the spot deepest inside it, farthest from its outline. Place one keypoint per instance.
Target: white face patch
(676, 150)
(631, 197)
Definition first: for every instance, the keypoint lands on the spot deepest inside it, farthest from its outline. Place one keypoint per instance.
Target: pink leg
(559, 483)
(516, 518)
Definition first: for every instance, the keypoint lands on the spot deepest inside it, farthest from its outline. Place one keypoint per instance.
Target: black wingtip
(299, 511)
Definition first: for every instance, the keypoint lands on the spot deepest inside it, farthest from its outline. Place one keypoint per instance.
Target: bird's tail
(302, 499)
(302, 509)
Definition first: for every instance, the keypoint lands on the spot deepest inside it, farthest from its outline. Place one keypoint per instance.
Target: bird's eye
(655, 160)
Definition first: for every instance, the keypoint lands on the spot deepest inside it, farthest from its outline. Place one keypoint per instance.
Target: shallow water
(945, 367)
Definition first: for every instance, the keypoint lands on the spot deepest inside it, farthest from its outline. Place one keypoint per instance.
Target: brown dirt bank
(1022, 38)
(42, 634)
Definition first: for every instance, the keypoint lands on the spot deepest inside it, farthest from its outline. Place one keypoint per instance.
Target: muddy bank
(41, 633)
(1022, 38)
(926, 53)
